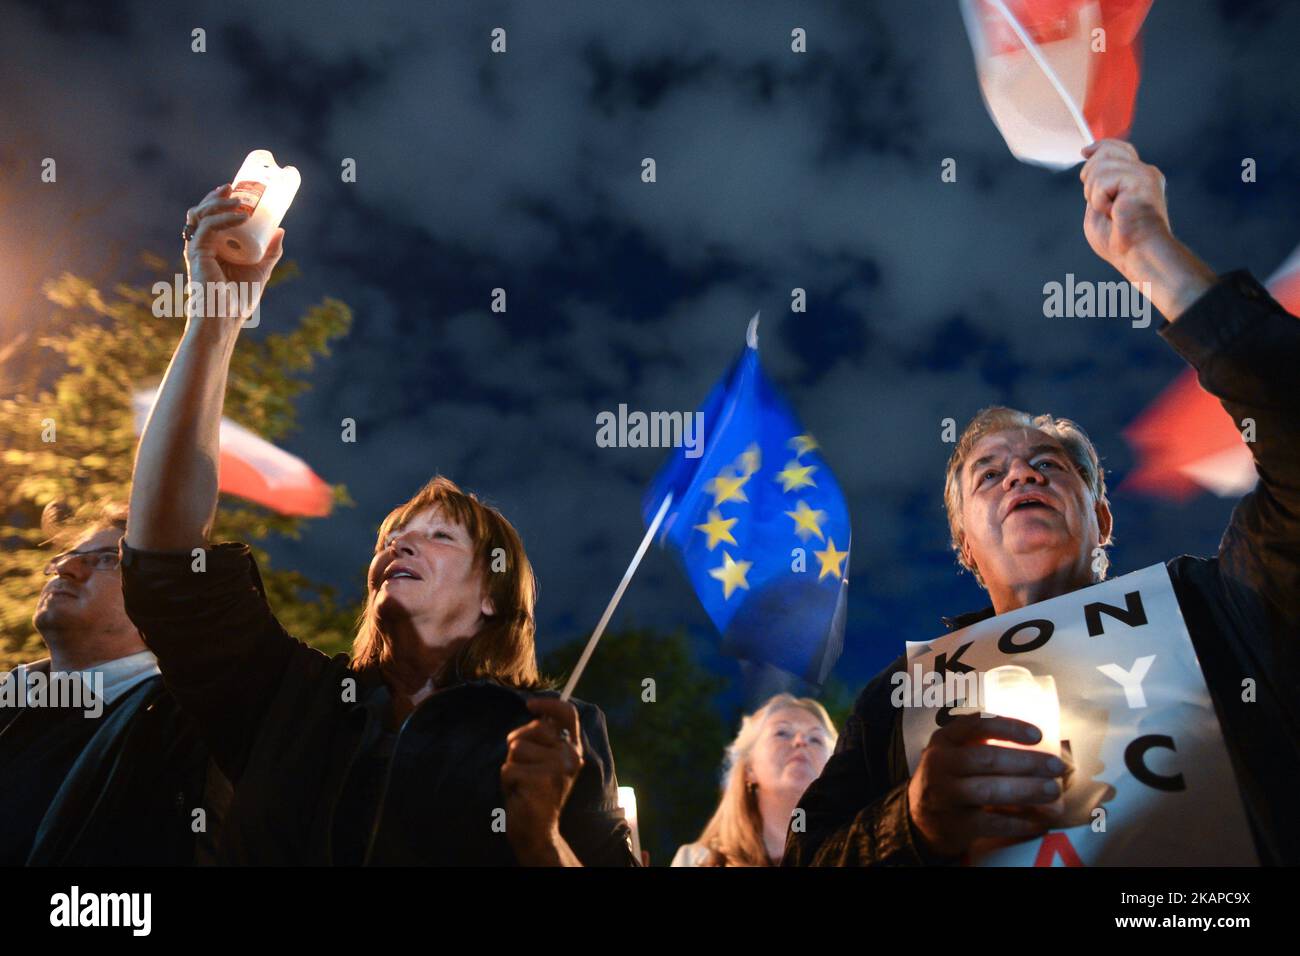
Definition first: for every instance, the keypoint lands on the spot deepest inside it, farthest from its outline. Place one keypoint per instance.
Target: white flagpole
(618, 596)
(1046, 67)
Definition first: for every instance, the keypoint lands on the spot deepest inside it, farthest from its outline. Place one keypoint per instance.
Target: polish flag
(252, 468)
(1186, 442)
(1056, 75)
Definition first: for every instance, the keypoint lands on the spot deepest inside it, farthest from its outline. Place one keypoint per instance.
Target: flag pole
(618, 596)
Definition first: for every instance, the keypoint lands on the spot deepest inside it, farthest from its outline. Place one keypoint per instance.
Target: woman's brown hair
(504, 649)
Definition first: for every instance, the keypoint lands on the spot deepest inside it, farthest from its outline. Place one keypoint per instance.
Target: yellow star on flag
(731, 574)
(717, 528)
(831, 560)
(751, 459)
(796, 475)
(807, 521)
(726, 486)
(802, 444)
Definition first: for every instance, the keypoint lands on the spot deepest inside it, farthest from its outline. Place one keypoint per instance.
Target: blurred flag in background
(1185, 442)
(252, 468)
(760, 526)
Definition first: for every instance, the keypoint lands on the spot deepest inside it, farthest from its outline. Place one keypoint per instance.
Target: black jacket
(1242, 609)
(130, 795)
(287, 724)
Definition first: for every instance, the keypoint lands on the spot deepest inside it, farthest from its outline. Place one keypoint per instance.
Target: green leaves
(73, 382)
(679, 736)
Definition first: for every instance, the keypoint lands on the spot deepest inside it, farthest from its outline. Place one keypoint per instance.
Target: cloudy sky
(775, 170)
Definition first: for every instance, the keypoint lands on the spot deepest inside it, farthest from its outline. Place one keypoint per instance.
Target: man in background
(97, 764)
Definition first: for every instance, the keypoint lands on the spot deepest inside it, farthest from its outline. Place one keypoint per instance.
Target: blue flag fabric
(760, 526)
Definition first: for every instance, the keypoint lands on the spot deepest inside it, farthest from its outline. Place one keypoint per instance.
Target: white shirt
(111, 679)
(691, 854)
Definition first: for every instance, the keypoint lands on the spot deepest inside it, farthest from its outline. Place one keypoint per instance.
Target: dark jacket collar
(957, 622)
(374, 696)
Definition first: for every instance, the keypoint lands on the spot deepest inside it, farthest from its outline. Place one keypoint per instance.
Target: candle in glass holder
(627, 800)
(1012, 691)
(264, 191)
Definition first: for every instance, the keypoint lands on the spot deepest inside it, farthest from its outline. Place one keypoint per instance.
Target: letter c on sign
(1135, 754)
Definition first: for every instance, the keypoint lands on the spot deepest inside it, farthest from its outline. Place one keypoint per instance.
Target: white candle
(264, 190)
(627, 800)
(1012, 691)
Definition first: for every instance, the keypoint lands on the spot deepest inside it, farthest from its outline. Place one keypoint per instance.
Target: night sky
(775, 170)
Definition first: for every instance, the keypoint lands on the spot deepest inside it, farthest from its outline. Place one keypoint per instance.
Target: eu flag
(760, 526)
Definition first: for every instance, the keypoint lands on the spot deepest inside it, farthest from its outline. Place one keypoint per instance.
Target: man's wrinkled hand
(966, 790)
(1126, 204)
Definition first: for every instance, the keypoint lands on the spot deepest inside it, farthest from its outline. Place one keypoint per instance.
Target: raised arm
(221, 650)
(174, 487)
(1127, 224)
(1243, 346)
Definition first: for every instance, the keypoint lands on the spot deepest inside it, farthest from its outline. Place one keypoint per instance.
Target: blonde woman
(781, 749)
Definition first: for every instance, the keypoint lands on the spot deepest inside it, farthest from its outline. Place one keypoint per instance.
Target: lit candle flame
(627, 800)
(267, 191)
(1012, 691)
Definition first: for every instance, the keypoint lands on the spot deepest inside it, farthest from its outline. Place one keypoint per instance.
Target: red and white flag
(1284, 284)
(1185, 442)
(1056, 75)
(252, 468)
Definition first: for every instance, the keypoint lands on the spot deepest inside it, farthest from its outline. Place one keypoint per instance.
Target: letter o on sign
(1007, 644)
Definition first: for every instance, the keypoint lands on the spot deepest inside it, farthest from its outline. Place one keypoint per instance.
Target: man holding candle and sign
(1149, 773)
(1179, 725)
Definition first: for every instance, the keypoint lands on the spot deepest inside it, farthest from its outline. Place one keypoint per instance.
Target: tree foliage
(668, 749)
(72, 381)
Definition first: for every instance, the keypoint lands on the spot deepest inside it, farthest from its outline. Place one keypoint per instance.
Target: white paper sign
(1152, 783)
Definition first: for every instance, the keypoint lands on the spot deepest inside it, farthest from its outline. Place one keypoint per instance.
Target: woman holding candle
(780, 750)
(434, 743)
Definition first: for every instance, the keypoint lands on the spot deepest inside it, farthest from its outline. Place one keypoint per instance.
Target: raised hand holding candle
(265, 192)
